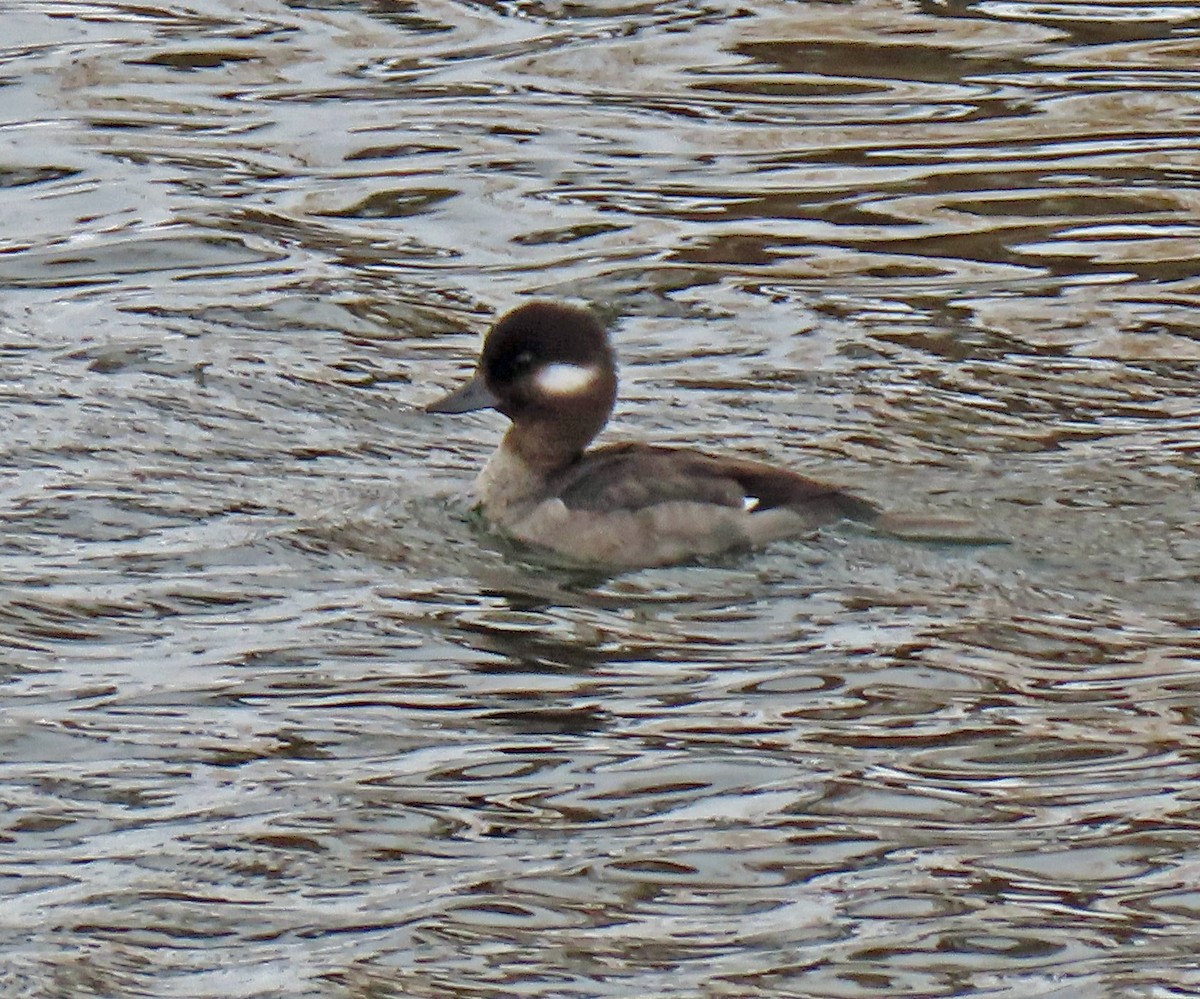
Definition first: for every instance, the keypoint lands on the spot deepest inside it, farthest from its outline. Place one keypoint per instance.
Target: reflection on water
(281, 720)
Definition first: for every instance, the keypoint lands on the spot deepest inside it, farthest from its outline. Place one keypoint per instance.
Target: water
(280, 720)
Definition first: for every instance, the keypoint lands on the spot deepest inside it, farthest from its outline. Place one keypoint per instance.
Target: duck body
(550, 369)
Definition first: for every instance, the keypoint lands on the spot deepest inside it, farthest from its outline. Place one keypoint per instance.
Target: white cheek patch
(565, 379)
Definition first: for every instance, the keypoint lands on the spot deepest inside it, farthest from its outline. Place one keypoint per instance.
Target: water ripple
(282, 718)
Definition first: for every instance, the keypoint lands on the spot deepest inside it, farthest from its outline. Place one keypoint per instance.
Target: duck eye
(509, 367)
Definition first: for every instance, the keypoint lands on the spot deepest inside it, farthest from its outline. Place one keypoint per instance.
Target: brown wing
(632, 477)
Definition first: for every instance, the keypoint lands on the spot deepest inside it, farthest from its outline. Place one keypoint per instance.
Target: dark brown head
(550, 369)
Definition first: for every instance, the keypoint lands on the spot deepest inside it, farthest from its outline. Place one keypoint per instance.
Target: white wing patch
(565, 379)
(749, 503)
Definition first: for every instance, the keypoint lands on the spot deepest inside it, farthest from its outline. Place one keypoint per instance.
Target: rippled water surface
(280, 720)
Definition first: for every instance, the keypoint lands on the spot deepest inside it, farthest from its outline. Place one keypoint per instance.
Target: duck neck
(517, 474)
(545, 449)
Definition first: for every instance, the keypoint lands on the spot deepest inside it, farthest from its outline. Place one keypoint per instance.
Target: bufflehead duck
(550, 369)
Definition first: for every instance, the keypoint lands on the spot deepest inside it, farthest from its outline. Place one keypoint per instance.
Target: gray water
(280, 719)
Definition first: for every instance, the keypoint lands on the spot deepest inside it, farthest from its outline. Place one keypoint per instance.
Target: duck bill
(466, 399)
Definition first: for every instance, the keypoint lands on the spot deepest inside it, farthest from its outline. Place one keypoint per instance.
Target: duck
(550, 369)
